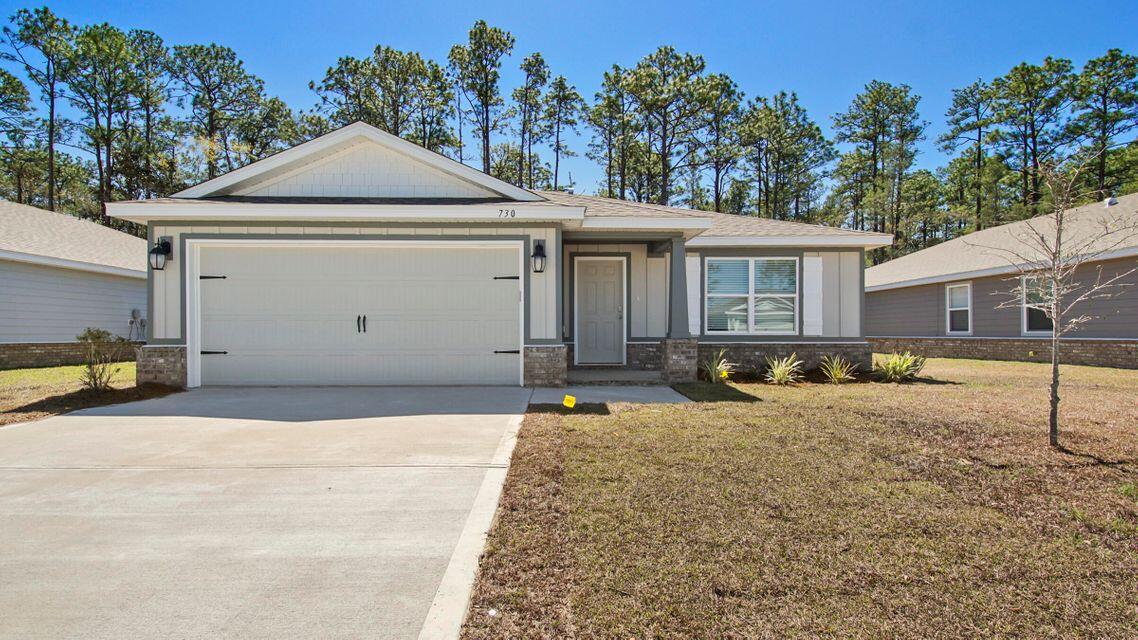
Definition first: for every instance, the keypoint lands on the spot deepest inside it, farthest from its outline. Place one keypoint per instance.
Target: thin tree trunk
(486, 138)
(1053, 419)
(51, 147)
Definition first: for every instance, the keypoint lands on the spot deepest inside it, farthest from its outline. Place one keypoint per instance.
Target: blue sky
(826, 51)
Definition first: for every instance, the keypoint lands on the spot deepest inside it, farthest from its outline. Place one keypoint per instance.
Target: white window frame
(751, 296)
(1023, 308)
(948, 308)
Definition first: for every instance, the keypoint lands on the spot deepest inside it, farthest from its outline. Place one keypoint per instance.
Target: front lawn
(933, 509)
(31, 394)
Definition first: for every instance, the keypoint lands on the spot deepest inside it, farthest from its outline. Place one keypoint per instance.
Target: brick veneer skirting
(751, 357)
(24, 355)
(681, 359)
(160, 364)
(1102, 353)
(546, 366)
(640, 356)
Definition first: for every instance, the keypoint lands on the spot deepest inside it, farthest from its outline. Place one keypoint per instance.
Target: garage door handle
(358, 324)
(365, 323)
(506, 351)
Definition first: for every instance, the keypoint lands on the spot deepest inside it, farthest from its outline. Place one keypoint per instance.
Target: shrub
(837, 369)
(783, 371)
(102, 351)
(717, 368)
(899, 367)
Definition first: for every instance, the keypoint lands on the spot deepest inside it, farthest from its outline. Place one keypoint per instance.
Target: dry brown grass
(31, 394)
(869, 510)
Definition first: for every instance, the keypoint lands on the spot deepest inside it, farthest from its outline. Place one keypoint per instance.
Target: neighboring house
(947, 300)
(360, 258)
(60, 275)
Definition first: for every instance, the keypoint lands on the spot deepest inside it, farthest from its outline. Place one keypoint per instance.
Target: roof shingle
(25, 229)
(993, 248)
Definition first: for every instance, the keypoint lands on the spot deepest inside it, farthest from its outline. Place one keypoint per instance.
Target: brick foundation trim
(752, 357)
(161, 364)
(545, 366)
(1122, 354)
(639, 356)
(26, 355)
(681, 359)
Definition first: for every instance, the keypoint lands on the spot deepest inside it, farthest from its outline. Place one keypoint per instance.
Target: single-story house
(361, 258)
(955, 299)
(60, 275)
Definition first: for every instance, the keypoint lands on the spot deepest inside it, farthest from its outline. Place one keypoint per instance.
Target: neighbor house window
(958, 303)
(752, 295)
(1035, 292)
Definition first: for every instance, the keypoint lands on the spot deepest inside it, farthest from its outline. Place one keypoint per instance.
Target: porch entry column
(678, 292)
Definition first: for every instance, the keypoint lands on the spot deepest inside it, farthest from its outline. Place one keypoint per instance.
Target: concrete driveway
(252, 513)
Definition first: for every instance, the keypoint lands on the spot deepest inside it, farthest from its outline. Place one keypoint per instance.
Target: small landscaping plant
(102, 350)
(718, 368)
(899, 367)
(837, 369)
(783, 371)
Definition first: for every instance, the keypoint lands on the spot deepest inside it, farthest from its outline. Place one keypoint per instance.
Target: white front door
(600, 310)
(359, 314)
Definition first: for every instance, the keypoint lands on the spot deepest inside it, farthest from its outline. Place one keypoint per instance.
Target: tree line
(120, 114)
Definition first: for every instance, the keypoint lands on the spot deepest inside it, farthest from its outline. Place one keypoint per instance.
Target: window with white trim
(751, 296)
(958, 307)
(1035, 319)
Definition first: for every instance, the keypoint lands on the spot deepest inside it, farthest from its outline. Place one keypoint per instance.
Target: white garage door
(371, 314)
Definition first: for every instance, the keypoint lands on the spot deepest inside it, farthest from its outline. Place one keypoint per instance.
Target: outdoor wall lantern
(162, 251)
(538, 257)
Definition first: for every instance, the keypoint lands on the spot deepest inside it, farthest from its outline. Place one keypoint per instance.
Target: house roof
(360, 172)
(998, 250)
(726, 229)
(28, 234)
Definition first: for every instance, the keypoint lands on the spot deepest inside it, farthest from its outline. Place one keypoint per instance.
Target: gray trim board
(678, 292)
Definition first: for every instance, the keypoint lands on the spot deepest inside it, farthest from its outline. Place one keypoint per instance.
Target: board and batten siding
(166, 323)
(48, 304)
(920, 311)
(368, 170)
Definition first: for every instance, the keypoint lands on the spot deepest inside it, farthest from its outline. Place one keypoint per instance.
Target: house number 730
(507, 213)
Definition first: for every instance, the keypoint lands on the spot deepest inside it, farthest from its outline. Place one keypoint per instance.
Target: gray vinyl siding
(911, 311)
(48, 304)
(920, 311)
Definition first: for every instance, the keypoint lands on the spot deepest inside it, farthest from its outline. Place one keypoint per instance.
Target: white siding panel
(695, 285)
(813, 297)
(369, 170)
(48, 304)
(657, 292)
(832, 294)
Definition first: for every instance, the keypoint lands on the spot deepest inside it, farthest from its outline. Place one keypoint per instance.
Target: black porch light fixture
(160, 253)
(538, 257)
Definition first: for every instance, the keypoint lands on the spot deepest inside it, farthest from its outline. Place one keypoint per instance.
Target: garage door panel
(287, 315)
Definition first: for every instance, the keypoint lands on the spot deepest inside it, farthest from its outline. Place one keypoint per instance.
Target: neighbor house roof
(997, 250)
(28, 234)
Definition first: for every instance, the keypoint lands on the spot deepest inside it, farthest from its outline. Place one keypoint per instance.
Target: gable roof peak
(307, 154)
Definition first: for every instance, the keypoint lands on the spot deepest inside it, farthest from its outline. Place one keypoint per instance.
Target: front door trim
(577, 307)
